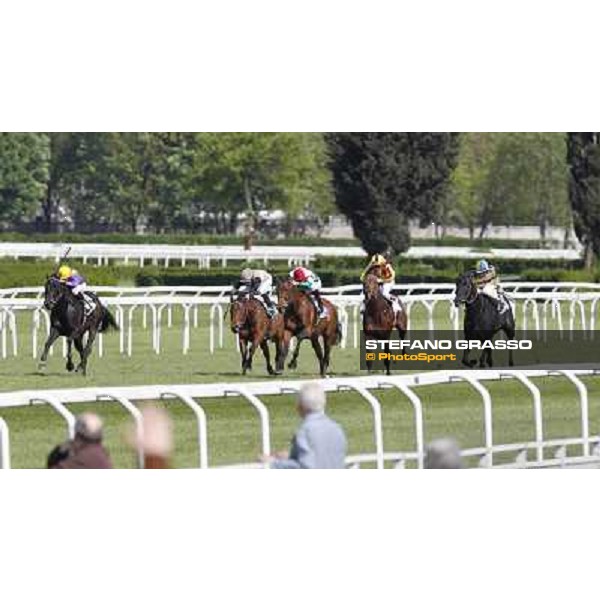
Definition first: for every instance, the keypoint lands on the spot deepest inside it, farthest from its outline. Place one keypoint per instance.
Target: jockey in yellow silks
(386, 278)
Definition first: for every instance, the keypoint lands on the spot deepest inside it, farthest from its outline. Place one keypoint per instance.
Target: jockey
(77, 284)
(257, 281)
(486, 280)
(386, 278)
(304, 279)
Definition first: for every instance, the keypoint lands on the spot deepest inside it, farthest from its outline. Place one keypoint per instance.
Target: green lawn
(233, 428)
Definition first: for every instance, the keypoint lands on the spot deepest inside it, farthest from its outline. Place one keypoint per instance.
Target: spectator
(85, 451)
(156, 443)
(320, 442)
(443, 454)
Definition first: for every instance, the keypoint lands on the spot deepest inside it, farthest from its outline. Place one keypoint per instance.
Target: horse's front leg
(86, 352)
(483, 358)
(284, 346)
(243, 353)
(293, 364)
(264, 346)
(465, 358)
(319, 352)
(70, 365)
(52, 337)
(251, 350)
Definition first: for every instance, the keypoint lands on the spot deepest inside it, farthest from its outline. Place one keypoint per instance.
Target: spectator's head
(443, 454)
(88, 428)
(311, 399)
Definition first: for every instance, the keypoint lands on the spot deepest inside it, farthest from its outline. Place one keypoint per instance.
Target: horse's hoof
(42, 366)
(292, 366)
(70, 367)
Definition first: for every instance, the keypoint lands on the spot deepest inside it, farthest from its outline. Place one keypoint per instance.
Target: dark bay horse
(254, 328)
(68, 319)
(299, 320)
(482, 319)
(379, 319)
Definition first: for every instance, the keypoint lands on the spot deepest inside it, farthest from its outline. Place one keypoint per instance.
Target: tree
(510, 178)
(583, 157)
(249, 172)
(24, 159)
(382, 180)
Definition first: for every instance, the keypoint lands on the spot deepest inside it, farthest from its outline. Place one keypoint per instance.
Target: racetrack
(233, 428)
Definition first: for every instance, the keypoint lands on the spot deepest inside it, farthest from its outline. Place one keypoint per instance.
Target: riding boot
(88, 305)
(320, 307)
(270, 305)
(503, 304)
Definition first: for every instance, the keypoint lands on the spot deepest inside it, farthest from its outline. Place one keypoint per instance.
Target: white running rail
(208, 255)
(538, 306)
(582, 449)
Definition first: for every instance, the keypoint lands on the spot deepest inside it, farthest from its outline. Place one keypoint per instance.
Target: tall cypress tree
(583, 157)
(382, 180)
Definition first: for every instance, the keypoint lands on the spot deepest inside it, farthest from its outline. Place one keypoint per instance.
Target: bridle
(472, 294)
(53, 293)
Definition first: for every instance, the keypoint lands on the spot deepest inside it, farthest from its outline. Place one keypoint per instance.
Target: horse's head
(466, 290)
(370, 286)
(53, 292)
(238, 310)
(284, 292)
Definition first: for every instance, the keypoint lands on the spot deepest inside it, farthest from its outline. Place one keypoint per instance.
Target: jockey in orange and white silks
(259, 282)
(487, 282)
(310, 282)
(386, 278)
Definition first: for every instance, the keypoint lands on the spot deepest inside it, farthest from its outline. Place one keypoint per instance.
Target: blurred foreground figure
(443, 454)
(156, 443)
(320, 442)
(85, 451)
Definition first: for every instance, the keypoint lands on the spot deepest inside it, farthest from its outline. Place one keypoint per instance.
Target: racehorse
(67, 318)
(482, 319)
(300, 320)
(379, 319)
(254, 328)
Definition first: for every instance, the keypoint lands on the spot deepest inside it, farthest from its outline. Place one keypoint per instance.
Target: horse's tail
(339, 334)
(108, 321)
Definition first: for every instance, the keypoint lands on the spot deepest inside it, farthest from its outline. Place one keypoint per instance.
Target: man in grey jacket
(319, 443)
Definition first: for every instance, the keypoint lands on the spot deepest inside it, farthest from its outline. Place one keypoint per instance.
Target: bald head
(311, 398)
(443, 454)
(88, 427)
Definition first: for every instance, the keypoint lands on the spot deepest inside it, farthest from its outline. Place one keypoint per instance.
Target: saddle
(251, 294)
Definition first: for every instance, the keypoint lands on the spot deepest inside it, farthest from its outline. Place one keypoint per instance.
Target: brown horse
(299, 320)
(379, 319)
(254, 328)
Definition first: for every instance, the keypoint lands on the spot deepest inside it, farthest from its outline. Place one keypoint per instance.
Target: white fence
(541, 451)
(207, 256)
(538, 306)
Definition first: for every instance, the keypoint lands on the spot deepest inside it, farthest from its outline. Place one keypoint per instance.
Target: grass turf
(233, 428)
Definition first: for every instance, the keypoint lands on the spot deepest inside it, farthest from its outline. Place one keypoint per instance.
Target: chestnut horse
(299, 320)
(254, 328)
(379, 319)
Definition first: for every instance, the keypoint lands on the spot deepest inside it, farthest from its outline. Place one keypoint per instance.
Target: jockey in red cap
(308, 281)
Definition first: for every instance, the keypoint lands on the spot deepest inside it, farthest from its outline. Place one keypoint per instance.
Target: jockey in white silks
(260, 283)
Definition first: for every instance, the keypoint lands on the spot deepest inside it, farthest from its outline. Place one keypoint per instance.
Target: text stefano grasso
(411, 345)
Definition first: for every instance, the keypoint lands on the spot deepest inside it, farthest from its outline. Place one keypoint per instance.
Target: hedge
(33, 273)
(229, 240)
(189, 239)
